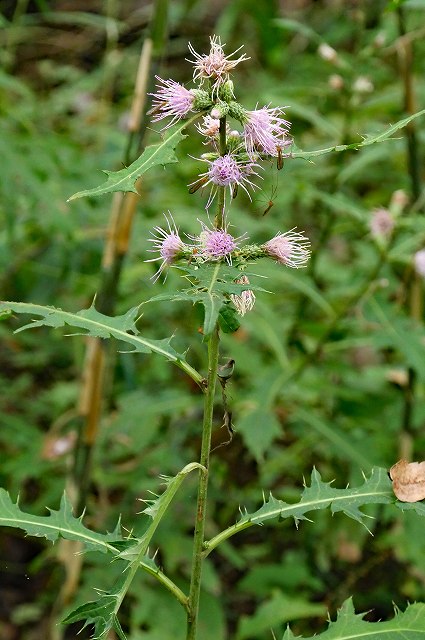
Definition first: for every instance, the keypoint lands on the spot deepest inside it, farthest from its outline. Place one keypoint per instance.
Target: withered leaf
(408, 480)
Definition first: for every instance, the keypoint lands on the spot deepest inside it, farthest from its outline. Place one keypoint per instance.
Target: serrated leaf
(367, 140)
(58, 524)
(407, 625)
(157, 154)
(212, 286)
(98, 325)
(103, 612)
(319, 495)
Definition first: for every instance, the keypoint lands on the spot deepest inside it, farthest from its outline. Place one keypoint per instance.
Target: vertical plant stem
(414, 285)
(198, 540)
(201, 509)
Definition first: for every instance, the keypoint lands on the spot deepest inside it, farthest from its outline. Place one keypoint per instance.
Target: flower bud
(237, 112)
(363, 85)
(419, 262)
(201, 100)
(219, 110)
(225, 92)
(327, 53)
(336, 82)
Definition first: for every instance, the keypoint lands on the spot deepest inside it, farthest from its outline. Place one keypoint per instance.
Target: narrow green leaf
(367, 140)
(157, 154)
(319, 495)
(98, 325)
(59, 524)
(407, 625)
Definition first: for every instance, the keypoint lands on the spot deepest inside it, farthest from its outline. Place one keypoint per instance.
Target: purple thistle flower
(171, 99)
(210, 127)
(245, 300)
(265, 131)
(168, 243)
(227, 171)
(381, 224)
(290, 248)
(214, 66)
(215, 244)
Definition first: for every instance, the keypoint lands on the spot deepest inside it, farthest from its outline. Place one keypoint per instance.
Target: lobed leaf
(407, 625)
(58, 524)
(156, 154)
(319, 495)
(98, 325)
(367, 140)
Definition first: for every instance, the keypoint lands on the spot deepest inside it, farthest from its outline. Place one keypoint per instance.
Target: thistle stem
(201, 509)
(198, 539)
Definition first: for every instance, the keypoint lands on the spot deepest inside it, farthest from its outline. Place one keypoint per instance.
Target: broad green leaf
(367, 140)
(58, 524)
(278, 609)
(157, 154)
(98, 325)
(407, 625)
(343, 446)
(319, 495)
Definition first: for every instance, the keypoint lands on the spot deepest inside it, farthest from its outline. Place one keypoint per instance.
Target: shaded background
(329, 366)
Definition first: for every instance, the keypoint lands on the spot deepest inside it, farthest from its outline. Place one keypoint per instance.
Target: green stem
(198, 541)
(201, 509)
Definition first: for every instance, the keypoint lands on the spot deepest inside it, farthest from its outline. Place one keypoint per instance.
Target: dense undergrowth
(329, 365)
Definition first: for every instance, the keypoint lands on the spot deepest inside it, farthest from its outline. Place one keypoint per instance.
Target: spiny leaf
(407, 625)
(156, 510)
(98, 325)
(319, 495)
(125, 179)
(58, 524)
(212, 285)
(101, 613)
(367, 140)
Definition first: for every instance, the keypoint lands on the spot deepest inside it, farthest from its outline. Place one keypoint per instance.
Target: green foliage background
(66, 82)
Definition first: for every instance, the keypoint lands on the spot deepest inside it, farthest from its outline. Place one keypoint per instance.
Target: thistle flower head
(245, 300)
(381, 224)
(266, 131)
(171, 100)
(228, 171)
(210, 127)
(291, 249)
(216, 244)
(167, 243)
(419, 261)
(214, 66)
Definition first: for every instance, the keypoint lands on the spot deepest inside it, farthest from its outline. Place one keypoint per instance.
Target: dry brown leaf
(408, 480)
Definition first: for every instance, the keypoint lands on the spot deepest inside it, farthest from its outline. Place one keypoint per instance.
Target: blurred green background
(329, 366)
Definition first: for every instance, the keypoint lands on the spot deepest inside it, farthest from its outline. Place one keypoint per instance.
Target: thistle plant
(216, 264)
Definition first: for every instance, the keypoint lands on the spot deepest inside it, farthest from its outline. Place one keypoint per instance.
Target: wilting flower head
(171, 99)
(419, 260)
(381, 224)
(167, 243)
(210, 127)
(228, 171)
(214, 66)
(245, 300)
(266, 131)
(290, 248)
(215, 244)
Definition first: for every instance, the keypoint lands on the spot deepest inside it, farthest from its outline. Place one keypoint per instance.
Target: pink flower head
(266, 131)
(419, 260)
(381, 224)
(171, 99)
(210, 127)
(168, 243)
(290, 248)
(245, 300)
(214, 66)
(227, 171)
(215, 244)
